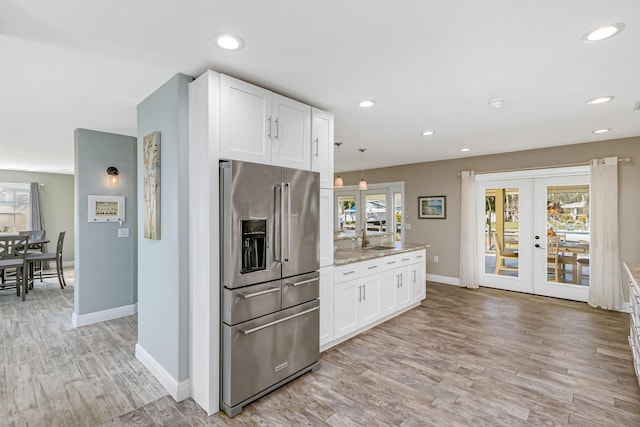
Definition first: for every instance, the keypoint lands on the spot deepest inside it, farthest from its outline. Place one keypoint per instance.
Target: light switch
(123, 232)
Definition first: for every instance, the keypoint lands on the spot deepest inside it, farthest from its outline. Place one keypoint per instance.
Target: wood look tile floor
(464, 357)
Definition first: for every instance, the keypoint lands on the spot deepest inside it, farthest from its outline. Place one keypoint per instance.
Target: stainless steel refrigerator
(270, 282)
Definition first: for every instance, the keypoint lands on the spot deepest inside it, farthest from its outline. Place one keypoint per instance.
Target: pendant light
(363, 184)
(338, 182)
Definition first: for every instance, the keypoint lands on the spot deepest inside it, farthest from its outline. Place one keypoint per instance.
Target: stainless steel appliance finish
(270, 280)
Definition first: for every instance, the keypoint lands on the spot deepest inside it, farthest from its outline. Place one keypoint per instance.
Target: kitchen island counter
(348, 256)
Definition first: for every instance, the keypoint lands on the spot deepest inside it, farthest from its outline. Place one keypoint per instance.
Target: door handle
(304, 282)
(275, 322)
(257, 294)
(317, 146)
(281, 254)
(288, 189)
(537, 245)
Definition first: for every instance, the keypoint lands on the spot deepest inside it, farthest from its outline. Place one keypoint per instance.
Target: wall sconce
(113, 173)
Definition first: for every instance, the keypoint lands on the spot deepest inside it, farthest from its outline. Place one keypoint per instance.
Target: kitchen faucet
(365, 241)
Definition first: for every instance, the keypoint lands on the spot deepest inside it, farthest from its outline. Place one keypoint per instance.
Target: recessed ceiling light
(428, 133)
(603, 32)
(601, 100)
(602, 130)
(367, 103)
(464, 150)
(229, 41)
(497, 103)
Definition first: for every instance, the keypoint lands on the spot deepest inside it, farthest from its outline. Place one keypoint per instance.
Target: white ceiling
(428, 64)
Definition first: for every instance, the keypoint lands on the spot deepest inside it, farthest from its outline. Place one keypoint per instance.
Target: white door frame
(531, 261)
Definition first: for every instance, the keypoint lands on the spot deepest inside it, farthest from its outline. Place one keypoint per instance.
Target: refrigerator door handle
(288, 189)
(279, 258)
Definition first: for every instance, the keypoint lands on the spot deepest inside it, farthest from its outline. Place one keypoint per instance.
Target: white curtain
(468, 232)
(605, 288)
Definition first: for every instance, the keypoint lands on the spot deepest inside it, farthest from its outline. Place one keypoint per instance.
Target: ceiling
(428, 65)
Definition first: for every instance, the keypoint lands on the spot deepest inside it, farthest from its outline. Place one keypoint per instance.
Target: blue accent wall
(105, 264)
(163, 265)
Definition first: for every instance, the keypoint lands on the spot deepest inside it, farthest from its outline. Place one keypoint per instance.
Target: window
(383, 209)
(14, 207)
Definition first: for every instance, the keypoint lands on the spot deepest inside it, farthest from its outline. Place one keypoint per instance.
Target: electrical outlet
(435, 258)
(407, 226)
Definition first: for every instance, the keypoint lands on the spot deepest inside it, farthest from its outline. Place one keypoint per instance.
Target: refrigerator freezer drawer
(262, 352)
(250, 302)
(300, 289)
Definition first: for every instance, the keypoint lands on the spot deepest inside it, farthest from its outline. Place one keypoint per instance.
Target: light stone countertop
(348, 256)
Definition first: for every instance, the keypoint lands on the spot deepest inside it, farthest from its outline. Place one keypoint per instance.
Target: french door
(534, 232)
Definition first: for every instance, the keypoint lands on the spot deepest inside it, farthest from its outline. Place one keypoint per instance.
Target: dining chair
(48, 256)
(558, 261)
(13, 255)
(582, 262)
(35, 236)
(502, 256)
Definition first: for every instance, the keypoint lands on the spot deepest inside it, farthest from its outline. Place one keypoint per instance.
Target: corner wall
(105, 264)
(163, 270)
(440, 178)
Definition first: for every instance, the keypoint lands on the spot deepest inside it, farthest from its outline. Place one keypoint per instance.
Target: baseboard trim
(443, 279)
(179, 390)
(79, 320)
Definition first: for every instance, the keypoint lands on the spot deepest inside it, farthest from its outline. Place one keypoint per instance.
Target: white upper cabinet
(245, 121)
(291, 133)
(257, 125)
(322, 146)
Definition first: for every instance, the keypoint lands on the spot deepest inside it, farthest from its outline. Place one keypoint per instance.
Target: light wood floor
(481, 357)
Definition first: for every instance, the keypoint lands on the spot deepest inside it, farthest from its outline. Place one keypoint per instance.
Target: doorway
(534, 229)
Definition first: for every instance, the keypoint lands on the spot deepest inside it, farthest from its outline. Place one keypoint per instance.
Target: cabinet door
(326, 305)
(322, 146)
(404, 285)
(418, 282)
(346, 299)
(326, 227)
(388, 285)
(291, 133)
(245, 118)
(369, 309)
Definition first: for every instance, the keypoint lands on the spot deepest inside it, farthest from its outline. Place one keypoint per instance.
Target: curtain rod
(566, 165)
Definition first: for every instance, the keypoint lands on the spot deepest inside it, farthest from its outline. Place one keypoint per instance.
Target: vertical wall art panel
(151, 159)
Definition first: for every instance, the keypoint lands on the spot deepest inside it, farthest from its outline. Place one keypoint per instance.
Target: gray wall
(163, 275)
(57, 202)
(438, 178)
(105, 265)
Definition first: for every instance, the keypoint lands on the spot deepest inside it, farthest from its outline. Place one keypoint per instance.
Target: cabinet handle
(419, 256)
(277, 129)
(371, 267)
(317, 146)
(364, 293)
(415, 277)
(269, 128)
(391, 262)
(406, 259)
(304, 282)
(348, 272)
(359, 293)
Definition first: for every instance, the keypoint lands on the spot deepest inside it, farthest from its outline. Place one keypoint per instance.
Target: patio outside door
(535, 232)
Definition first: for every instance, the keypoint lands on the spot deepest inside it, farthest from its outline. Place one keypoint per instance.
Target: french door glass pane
(376, 218)
(501, 231)
(568, 234)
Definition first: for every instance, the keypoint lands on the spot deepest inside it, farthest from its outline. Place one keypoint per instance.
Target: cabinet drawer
(356, 270)
(419, 256)
(390, 262)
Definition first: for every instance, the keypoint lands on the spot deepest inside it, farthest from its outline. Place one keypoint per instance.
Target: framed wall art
(106, 209)
(432, 207)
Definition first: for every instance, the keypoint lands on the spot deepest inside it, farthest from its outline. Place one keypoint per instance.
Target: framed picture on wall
(432, 207)
(106, 209)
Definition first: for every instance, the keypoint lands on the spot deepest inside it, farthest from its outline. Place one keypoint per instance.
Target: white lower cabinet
(418, 283)
(368, 291)
(326, 305)
(355, 303)
(633, 270)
